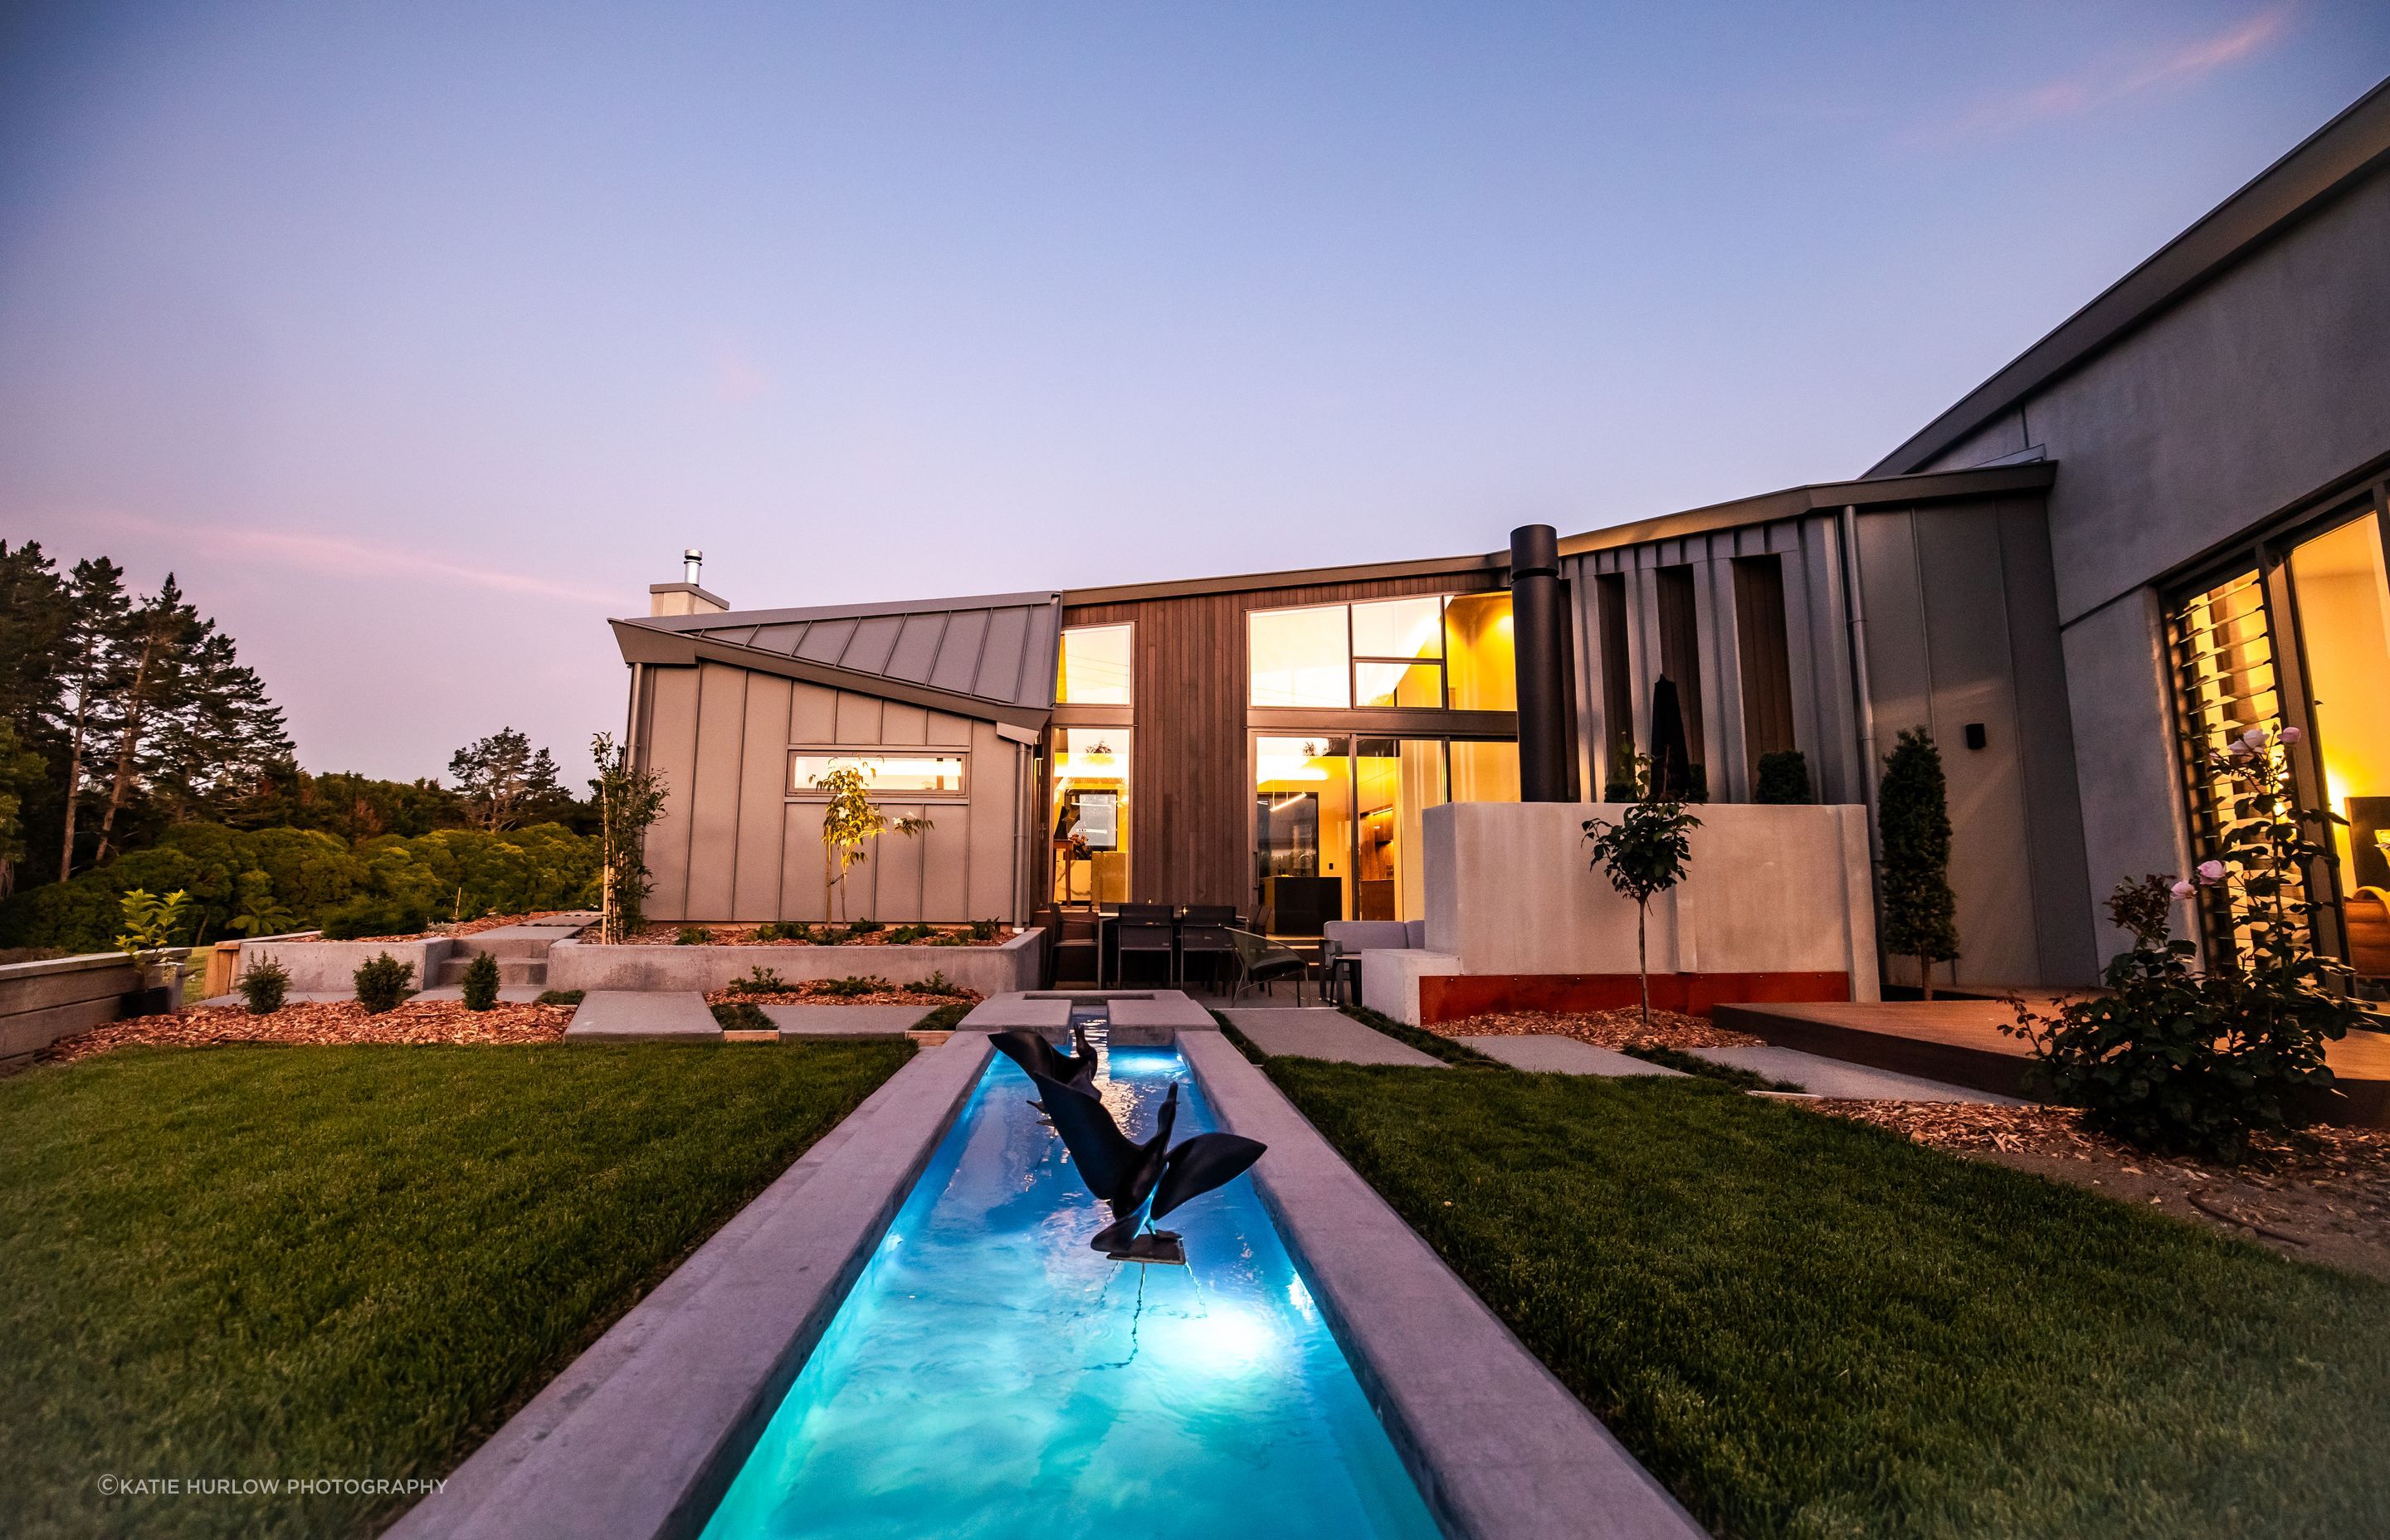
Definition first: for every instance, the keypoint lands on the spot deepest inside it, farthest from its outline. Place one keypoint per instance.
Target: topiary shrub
(382, 983)
(264, 985)
(1920, 913)
(2183, 1061)
(481, 982)
(1784, 778)
(693, 935)
(375, 917)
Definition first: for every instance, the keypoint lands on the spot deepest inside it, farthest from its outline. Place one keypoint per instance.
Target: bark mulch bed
(824, 935)
(1604, 1029)
(812, 994)
(324, 1024)
(472, 927)
(2321, 1196)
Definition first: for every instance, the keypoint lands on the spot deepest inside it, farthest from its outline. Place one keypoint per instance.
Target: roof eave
(1936, 486)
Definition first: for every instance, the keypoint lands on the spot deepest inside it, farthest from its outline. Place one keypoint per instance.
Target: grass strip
(1242, 1044)
(1806, 1327)
(943, 1017)
(348, 1262)
(1459, 1055)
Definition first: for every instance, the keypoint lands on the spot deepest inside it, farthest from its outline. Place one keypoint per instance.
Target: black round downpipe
(1536, 641)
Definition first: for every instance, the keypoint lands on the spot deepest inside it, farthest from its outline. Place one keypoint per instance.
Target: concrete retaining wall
(989, 969)
(41, 1002)
(332, 965)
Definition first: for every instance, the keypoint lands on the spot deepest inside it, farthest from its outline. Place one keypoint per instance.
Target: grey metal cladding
(917, 648)
(826, 641)
(875, 637)
(999, 655)
(958, 655)
(782, 639)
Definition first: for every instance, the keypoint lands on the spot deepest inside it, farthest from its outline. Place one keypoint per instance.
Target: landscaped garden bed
(1001, 965)
(349, 1264)
(321, 1023)
(1621, 1029)
(456, 929)
(858, 989)
(2320, 1196)
(799, 933)
(1806, 1326)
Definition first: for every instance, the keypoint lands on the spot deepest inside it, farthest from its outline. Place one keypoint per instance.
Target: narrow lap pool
(989, 1376)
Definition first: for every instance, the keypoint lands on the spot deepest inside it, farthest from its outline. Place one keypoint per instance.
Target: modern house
(2162, 525)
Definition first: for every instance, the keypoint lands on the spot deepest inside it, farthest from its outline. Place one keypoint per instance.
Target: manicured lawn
(351, 1263)
(1808, 1327)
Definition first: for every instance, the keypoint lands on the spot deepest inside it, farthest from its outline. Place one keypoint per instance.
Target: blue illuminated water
(989, 1376)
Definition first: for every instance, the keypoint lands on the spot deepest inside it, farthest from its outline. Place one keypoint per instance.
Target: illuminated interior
(2224, 669)
(1090, 815)
(2342, 596)
(1094, 666)
(1434, 651)
(1480, 670)
(1338, 820)
(923, 775)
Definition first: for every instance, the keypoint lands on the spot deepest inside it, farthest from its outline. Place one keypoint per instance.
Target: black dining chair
(1148, 930)
(1261, 961)
(1203, 932)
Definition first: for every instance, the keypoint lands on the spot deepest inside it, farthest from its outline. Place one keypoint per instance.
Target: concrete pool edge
(1498, 1447)
(641, 1434)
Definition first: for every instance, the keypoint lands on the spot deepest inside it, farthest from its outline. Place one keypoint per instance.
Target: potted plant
(150, 926)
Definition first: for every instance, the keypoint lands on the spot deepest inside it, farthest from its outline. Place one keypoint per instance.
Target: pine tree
(1921, 914)
(150, 665)
(36, 613)
(100, 616)
(502, 780)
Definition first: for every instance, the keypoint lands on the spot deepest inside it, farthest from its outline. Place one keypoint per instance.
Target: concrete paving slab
(1497, 1445)
(1048, 1013)
(844, 1020)
(1833, 1077)
(1550, 1055)
(616, 1014)
(1319, 1033)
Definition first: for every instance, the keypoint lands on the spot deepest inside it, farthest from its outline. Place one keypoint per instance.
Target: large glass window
(1301, 658)
(1094, 666)
(1486, 772)
(1426, 653)
(1480, 670)
(2342, 593)
(2224, 675)
(1303, 830)
(921, 775)
(1394, 782)
(1338, 821)
(1091, 815)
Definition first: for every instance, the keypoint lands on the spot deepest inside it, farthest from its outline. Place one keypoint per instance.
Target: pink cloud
(2089, 90)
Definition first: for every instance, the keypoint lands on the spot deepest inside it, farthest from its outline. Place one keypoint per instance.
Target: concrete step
(513, 972)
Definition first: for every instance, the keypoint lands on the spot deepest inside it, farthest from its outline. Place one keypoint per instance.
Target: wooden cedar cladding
(1192, 789)
(733, 844)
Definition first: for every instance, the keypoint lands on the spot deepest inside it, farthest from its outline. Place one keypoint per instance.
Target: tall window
(1767, 664)
(1425, 653)
(2225, 681)
(1680, 656)
(1094, 666)
(2341, 593)
(1091, 815)
(1617, 688)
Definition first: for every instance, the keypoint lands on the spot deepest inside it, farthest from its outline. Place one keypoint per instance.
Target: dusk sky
(419, 339)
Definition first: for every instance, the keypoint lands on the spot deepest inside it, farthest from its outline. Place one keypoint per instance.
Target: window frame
(794, 791)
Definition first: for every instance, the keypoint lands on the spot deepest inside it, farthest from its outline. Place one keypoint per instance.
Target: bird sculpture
(1141, 1181)
(1038, 1056)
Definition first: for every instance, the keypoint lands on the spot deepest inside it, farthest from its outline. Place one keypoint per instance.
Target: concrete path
(618, 1014)
(1550, 1053)
(1317, 1032)
(842, 1020)
(1832, 1077)
(1046, 1013)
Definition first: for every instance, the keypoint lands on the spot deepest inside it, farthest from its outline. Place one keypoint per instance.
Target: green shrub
(865, 984)
(938, 984)
(481, 982)
(1784, 778)
(984, 929)
(742, 1016)
(559, 997)
(906, 935)
(693, 935)
(382, 983)
(793, 930)
(863, 928)
(263, 985)
(761, 981)
(375, 917)
(1920, 913)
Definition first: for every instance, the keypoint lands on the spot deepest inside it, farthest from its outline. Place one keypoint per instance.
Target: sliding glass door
(1339, 820)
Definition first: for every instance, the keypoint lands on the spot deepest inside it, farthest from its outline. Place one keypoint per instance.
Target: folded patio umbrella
(1671, 760)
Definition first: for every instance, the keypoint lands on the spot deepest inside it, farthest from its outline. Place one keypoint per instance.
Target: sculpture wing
(1105, 1158)
(1033, 1053)
(1205, 1161)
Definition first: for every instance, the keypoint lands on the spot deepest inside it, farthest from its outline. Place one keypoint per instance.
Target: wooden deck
(1959, 1042)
